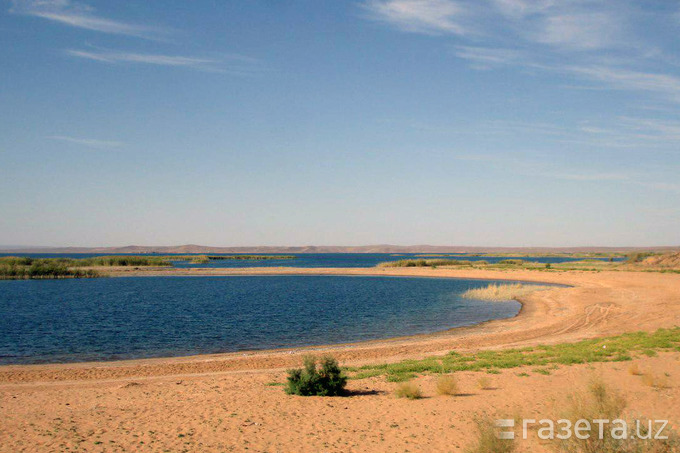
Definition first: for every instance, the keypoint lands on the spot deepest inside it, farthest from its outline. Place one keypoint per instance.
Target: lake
(71, 320)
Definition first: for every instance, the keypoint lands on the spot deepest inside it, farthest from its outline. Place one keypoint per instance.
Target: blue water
(324, 259)
(43, 321)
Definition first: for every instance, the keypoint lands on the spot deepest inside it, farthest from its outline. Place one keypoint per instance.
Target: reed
(501, 292)
(39, 270)
(426, 263)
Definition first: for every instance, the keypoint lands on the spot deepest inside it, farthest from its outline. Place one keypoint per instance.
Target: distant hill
(380, 248)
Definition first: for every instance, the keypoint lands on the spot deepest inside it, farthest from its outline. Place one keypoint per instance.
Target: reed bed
(251, 257)
(429, 263)
(500, 292)
(43, 270)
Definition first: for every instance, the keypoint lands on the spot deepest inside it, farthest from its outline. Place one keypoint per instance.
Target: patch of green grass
(543, 357)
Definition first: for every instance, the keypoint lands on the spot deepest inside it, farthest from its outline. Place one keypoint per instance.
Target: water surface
(121, 318)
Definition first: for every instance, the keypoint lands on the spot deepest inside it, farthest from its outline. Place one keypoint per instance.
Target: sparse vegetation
(500, 292)
(488, 440)
(427, 263)
(409, 390)
(325, 380)
(447, 385)
(611, 349)
(589, 262)
(638, 257)
(600, 402)
(657, 381)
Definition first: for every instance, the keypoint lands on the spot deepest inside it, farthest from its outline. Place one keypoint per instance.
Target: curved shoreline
(594, 304)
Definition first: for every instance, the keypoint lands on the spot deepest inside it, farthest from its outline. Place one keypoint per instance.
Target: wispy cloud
(419, 16)
(521, 8)
(626, 79)
(578, 31)
(233, 64)
(80, 15)
(535, 168)
(486, 57)
(89, 142)
(592, 41)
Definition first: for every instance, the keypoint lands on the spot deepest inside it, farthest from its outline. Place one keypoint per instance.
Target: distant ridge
(380, 248)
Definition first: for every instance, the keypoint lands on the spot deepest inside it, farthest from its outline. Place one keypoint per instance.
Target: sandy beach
(227, 402)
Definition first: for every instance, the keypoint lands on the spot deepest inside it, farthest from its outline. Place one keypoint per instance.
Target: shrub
(447, 385)
(408, 390)
(326, 380)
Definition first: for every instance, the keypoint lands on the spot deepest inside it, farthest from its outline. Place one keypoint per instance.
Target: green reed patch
(37, 270)
(543, 358)
(251, 257)
(428, 263)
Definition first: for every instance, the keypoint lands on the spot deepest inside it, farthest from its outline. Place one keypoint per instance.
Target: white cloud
(486, 57)
(521, 8)
(89, 142)
(579, 31)
(79, 15)
(234, 64)
(420, 16)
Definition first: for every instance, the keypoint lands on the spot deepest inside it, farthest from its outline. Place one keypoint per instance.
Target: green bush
(326, 380)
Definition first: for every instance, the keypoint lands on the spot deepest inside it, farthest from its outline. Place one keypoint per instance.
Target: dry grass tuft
(600, 402)
(656, 381)
(447, 385)
(488, 440)
(634, 369)
(408, 390)
(484, 383)
(496, 292)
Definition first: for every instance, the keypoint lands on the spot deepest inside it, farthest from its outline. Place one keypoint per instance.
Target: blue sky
(481, 122)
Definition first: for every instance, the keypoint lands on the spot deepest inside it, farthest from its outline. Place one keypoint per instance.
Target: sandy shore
(224, 403)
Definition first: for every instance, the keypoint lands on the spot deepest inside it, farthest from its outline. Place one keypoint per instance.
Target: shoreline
(592, 305)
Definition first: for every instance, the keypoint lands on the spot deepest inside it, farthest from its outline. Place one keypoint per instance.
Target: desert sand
(224, 402)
